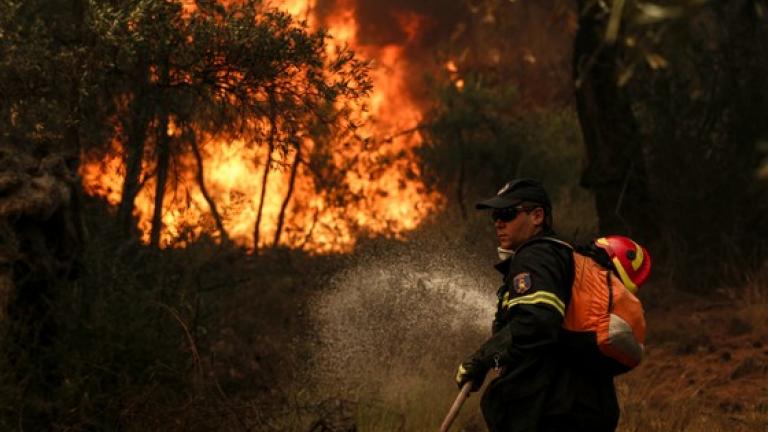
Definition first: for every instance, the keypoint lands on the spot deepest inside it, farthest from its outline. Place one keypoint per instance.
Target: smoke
(527, 42)
(419, 29)
(392, 22)
(384, 23)
(400, 319)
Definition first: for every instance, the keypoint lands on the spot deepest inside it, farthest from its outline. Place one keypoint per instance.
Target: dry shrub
(751, 299)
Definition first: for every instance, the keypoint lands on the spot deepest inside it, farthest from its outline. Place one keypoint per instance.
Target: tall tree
(44, 112)
(616, 169)
(679, 94)
(242, 71)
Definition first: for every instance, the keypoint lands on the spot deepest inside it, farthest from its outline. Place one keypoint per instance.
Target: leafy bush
(477, 139)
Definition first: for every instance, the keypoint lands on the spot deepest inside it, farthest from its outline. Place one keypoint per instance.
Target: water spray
(388, 327)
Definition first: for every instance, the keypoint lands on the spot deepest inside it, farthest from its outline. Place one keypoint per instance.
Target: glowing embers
(453, 72)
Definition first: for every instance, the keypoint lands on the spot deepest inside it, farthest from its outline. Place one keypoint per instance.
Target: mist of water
(403, 316)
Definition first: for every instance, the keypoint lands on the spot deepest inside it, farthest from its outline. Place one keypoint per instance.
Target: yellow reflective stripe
(624, 276)
(460, 374)
(638, 257)
(539, 297)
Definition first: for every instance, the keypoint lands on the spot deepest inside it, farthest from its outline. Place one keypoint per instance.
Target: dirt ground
(706, 369)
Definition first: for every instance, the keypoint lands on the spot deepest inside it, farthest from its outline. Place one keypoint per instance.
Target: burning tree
(193, 81)
(241, 122)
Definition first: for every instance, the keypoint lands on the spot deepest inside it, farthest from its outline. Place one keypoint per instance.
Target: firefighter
(540, 387)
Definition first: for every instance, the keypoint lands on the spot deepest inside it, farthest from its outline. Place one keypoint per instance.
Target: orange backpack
(603, 312)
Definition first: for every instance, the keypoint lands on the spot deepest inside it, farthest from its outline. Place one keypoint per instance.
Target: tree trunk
(259, 212)
(163, 158)
(73, 142)
(284, 206)
(76, 225)
(265, 177)
(206, 195)
(133, 151)
(615, 169)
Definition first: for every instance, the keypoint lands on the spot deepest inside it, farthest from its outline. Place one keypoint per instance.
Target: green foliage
(691, 72)
(471, 136)
(478, 138)
(228, 66)
(111, 342)
(649, 34)
(179, 339)
(39, 62)
(705, 111)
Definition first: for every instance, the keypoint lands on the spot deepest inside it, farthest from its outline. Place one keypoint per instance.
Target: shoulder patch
(521, 283)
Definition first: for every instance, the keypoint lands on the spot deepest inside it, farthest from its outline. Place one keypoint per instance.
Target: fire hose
(456, 407)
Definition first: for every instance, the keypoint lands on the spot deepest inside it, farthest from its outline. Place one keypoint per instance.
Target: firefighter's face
(512, 233)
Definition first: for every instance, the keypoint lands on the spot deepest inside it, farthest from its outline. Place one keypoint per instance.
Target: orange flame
(393, 201)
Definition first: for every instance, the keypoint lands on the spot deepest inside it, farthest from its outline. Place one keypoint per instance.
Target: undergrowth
(200, 338)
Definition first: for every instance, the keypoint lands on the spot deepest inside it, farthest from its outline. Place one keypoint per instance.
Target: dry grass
(421, 403)
(707, 365)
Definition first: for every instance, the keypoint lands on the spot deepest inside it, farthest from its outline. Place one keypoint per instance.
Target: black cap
(515, 192)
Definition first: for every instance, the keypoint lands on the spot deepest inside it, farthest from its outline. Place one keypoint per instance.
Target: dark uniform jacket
(542, 388)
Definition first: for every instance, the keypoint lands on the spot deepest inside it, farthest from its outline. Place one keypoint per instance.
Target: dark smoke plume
(382, 22)
(524, 42)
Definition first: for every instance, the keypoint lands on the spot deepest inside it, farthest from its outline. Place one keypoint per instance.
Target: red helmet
(632, 261)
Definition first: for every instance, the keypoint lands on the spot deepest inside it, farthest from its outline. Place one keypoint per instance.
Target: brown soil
(706, 369)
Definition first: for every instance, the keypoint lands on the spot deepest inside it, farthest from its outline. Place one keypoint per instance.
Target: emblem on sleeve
(522, 283)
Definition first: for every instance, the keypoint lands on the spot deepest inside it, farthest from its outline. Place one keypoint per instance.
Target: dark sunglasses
(509, 213)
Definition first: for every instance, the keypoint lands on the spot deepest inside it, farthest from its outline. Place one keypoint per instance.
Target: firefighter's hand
(472, 370)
